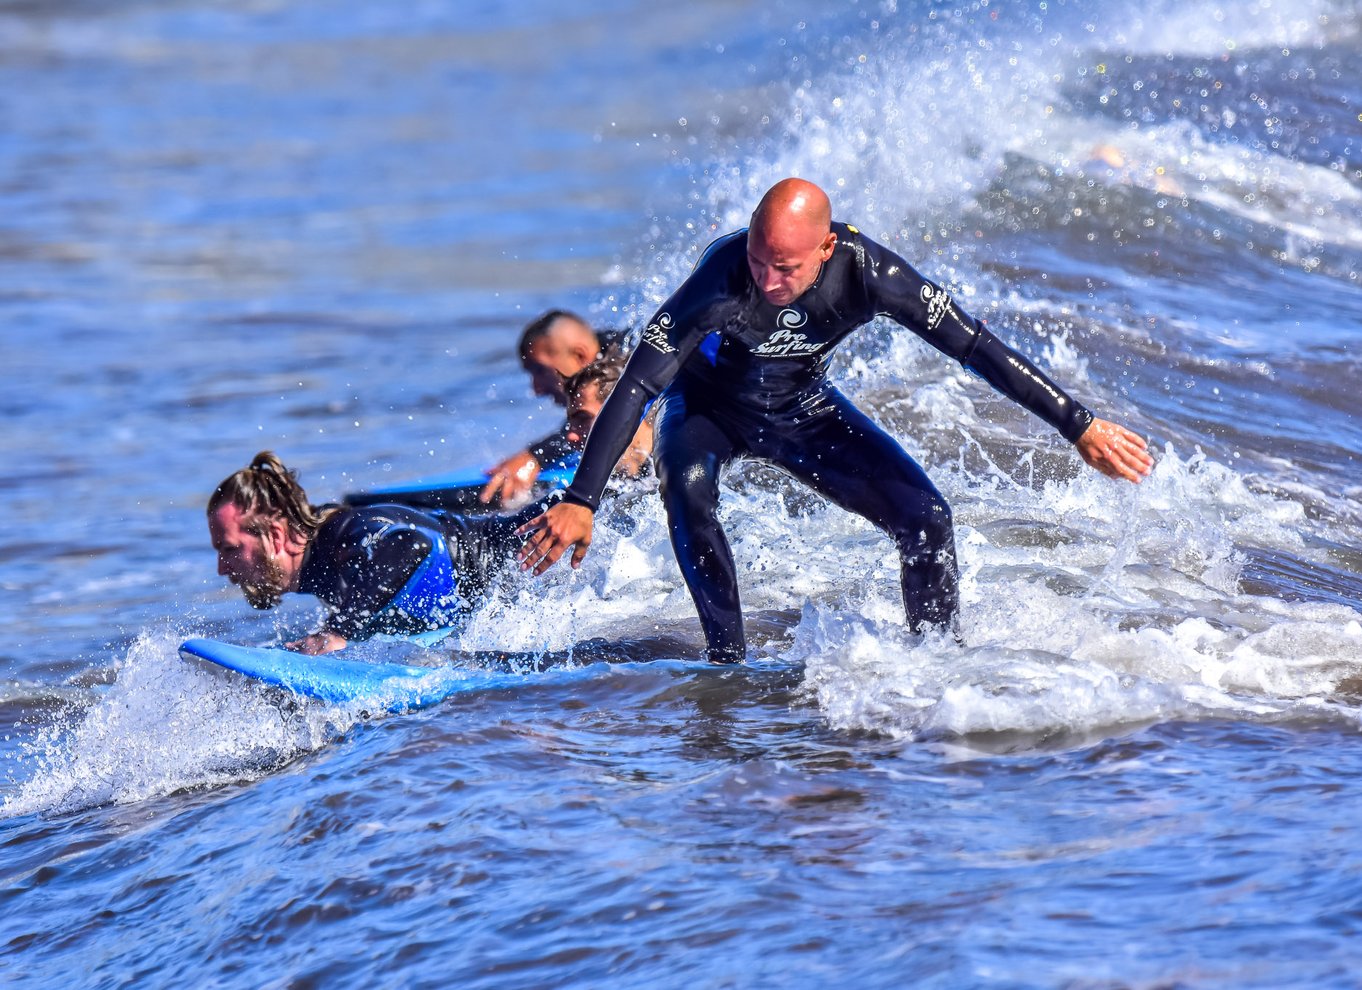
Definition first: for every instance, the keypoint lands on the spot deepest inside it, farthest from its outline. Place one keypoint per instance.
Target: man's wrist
(1078, 424)
(572, 498)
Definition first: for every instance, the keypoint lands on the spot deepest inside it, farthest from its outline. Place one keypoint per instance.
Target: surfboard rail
(457, 489)
(393, 687)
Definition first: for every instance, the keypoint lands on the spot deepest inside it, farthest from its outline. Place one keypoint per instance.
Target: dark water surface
(317, 227)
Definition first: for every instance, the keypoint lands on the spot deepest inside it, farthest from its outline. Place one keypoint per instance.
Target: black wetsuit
(396, 569)
(745, 377)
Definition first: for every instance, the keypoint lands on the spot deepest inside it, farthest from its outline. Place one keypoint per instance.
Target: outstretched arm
(514, 477)
(1115, 451)
(668, 340)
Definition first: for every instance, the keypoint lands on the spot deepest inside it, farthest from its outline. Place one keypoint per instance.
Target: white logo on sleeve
(938, 305)
(658, 334)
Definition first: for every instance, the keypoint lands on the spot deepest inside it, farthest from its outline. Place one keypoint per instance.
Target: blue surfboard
(457, 489)
(399, 687)
(390, 687)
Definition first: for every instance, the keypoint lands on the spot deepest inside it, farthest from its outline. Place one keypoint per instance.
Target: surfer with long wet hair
(740, 353)
(379, 568)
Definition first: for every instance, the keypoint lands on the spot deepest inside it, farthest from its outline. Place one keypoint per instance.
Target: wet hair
(265, 491)
(538, 328)
(604, 373)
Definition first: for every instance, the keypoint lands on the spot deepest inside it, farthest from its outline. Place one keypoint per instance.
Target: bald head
(789, 239)
(794, 202)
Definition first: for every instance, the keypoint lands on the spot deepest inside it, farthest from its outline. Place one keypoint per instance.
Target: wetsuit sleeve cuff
(1079, 421)
(346, 626)
(576, 498)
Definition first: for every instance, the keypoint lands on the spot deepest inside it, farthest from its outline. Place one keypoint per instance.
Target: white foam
(164, 725)
(1139, 618)
(1172, 26)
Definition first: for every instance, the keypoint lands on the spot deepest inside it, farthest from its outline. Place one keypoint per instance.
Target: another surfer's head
(260, 521)
(788, 240)
(553, 348)
(586, 394)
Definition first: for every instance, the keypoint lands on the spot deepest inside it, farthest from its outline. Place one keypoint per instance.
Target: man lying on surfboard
(380, 568)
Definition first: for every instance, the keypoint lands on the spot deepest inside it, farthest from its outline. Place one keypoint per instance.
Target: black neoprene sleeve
(1008, 371)
(610, 435)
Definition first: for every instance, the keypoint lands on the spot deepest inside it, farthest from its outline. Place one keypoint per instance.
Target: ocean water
(317, 227)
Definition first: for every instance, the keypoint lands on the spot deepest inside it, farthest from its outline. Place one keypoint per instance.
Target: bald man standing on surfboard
(740, 354)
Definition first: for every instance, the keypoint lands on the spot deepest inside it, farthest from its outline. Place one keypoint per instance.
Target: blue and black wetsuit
(396, 569)
(742, 376)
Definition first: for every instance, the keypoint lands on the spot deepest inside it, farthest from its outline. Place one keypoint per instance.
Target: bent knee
(929, 522)
(689, 493)
(941, 516)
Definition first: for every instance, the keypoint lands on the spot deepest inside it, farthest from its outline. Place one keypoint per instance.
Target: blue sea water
(317, 228)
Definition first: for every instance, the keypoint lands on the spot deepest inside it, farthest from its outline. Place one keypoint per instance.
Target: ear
(278, 537)
(825, 249)
(583, 352)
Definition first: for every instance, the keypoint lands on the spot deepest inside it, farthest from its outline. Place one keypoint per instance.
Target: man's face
(584, 406)
(785, 261)
(556, 357)
(248, 560)
(545, 378)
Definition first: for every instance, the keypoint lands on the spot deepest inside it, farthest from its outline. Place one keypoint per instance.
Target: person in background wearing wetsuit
(553, 347)
(586, 394)
(740, 354)
(379, 568)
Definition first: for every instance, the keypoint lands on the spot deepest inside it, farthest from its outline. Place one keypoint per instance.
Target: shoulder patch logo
(938, 305)
(658, 334)
(853, 229)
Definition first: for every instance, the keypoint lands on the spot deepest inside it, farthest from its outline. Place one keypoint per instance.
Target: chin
(261, 597)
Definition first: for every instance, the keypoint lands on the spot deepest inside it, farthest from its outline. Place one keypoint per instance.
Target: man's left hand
(1115, 451)
(510, 479)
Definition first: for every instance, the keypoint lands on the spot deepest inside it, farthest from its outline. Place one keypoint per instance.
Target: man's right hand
(511, 479)
(549, 534)
(1115, 451)
(317, 643)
